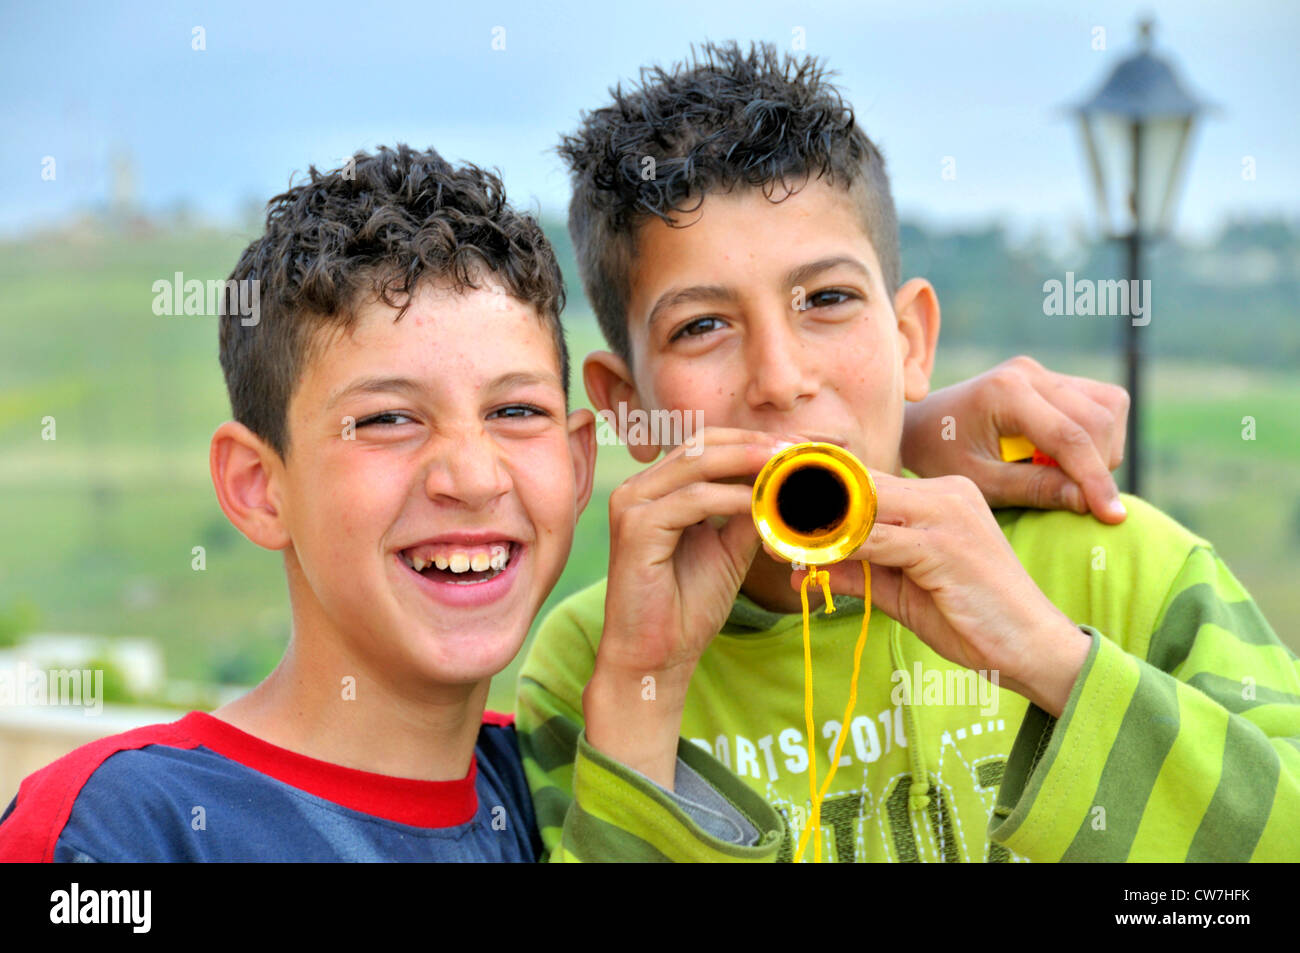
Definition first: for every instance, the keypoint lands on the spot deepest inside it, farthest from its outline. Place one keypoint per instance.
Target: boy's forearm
(636, 718)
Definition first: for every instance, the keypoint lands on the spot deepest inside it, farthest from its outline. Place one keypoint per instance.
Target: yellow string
(817, 796)
(853, 683)
(814, 817)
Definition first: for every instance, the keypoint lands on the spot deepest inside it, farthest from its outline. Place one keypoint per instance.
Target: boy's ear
(609, 384)
(917, 306)
(244, 473)
(582, 443)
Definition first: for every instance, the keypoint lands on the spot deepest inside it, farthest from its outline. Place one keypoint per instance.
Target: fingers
(694, 503)
(924, 531)
(1095, 419)
(1063, 436)
(896, 547)
(1107, 426)
(902, 501)
(1107, 421)
(1115, 400)
(716, 454)
(696, 483)
(1119, 435)
(1039, 487)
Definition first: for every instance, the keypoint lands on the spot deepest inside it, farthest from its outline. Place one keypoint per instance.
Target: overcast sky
(280, 86)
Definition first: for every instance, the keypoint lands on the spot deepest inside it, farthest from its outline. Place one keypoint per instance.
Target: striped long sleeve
(590, 807)
(1188, 750)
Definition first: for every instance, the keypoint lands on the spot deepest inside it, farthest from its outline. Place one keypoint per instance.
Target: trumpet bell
(814, 503)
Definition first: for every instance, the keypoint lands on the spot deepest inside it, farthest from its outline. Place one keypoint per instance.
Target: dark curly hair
(722, 120)
(372, 229)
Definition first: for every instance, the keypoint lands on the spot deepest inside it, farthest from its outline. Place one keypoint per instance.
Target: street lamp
(1136, 131)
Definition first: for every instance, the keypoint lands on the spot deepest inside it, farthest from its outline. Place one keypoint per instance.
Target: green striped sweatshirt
(1180, 739)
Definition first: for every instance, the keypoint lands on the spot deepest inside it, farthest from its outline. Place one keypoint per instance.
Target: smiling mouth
(460, 565)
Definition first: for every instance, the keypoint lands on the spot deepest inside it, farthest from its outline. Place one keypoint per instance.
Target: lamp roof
(1143, 86)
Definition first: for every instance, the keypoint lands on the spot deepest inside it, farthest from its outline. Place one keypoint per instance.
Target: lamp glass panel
(1112, 147)
(1163, 142)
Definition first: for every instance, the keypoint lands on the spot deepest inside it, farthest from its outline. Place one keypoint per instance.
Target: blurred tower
(122, 203)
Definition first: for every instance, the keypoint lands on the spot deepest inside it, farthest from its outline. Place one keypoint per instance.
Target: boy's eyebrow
(694, 293)
(524, 379)
(797, 276)
(407, 385)
(374, 385)
(802, 273)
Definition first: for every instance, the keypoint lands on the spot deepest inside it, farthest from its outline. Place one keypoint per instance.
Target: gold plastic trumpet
(814, 503)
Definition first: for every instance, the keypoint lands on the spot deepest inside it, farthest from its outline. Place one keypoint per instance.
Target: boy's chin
(473, 664)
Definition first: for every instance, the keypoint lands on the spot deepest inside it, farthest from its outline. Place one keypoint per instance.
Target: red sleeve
(45, 797)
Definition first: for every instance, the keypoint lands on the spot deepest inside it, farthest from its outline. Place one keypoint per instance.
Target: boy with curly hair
(1036, 684)
(401, 434)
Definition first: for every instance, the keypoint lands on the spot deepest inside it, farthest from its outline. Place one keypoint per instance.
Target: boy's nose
(468, 469)
(776, 359)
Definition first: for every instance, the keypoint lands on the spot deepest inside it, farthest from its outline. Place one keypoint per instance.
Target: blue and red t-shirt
(199, 789)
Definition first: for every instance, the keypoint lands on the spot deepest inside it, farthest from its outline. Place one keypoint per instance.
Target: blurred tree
(115, 684)
(17, 619)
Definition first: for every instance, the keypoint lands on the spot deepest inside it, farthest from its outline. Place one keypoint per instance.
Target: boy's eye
(386, 419)
(517, 412)
(697, 327)
(828, 298)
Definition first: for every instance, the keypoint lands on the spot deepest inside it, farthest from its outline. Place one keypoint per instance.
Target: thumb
(740, 541)
(1031, 485)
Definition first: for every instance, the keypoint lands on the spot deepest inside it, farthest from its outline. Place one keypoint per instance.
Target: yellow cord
(817, 796)
(813, 818)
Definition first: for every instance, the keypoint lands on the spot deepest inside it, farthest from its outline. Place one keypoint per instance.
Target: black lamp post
(1136, 131)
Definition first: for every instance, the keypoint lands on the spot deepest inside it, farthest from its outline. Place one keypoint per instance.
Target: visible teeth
(495, 558)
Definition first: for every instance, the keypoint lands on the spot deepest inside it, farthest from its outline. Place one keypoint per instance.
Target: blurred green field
(99, 524)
